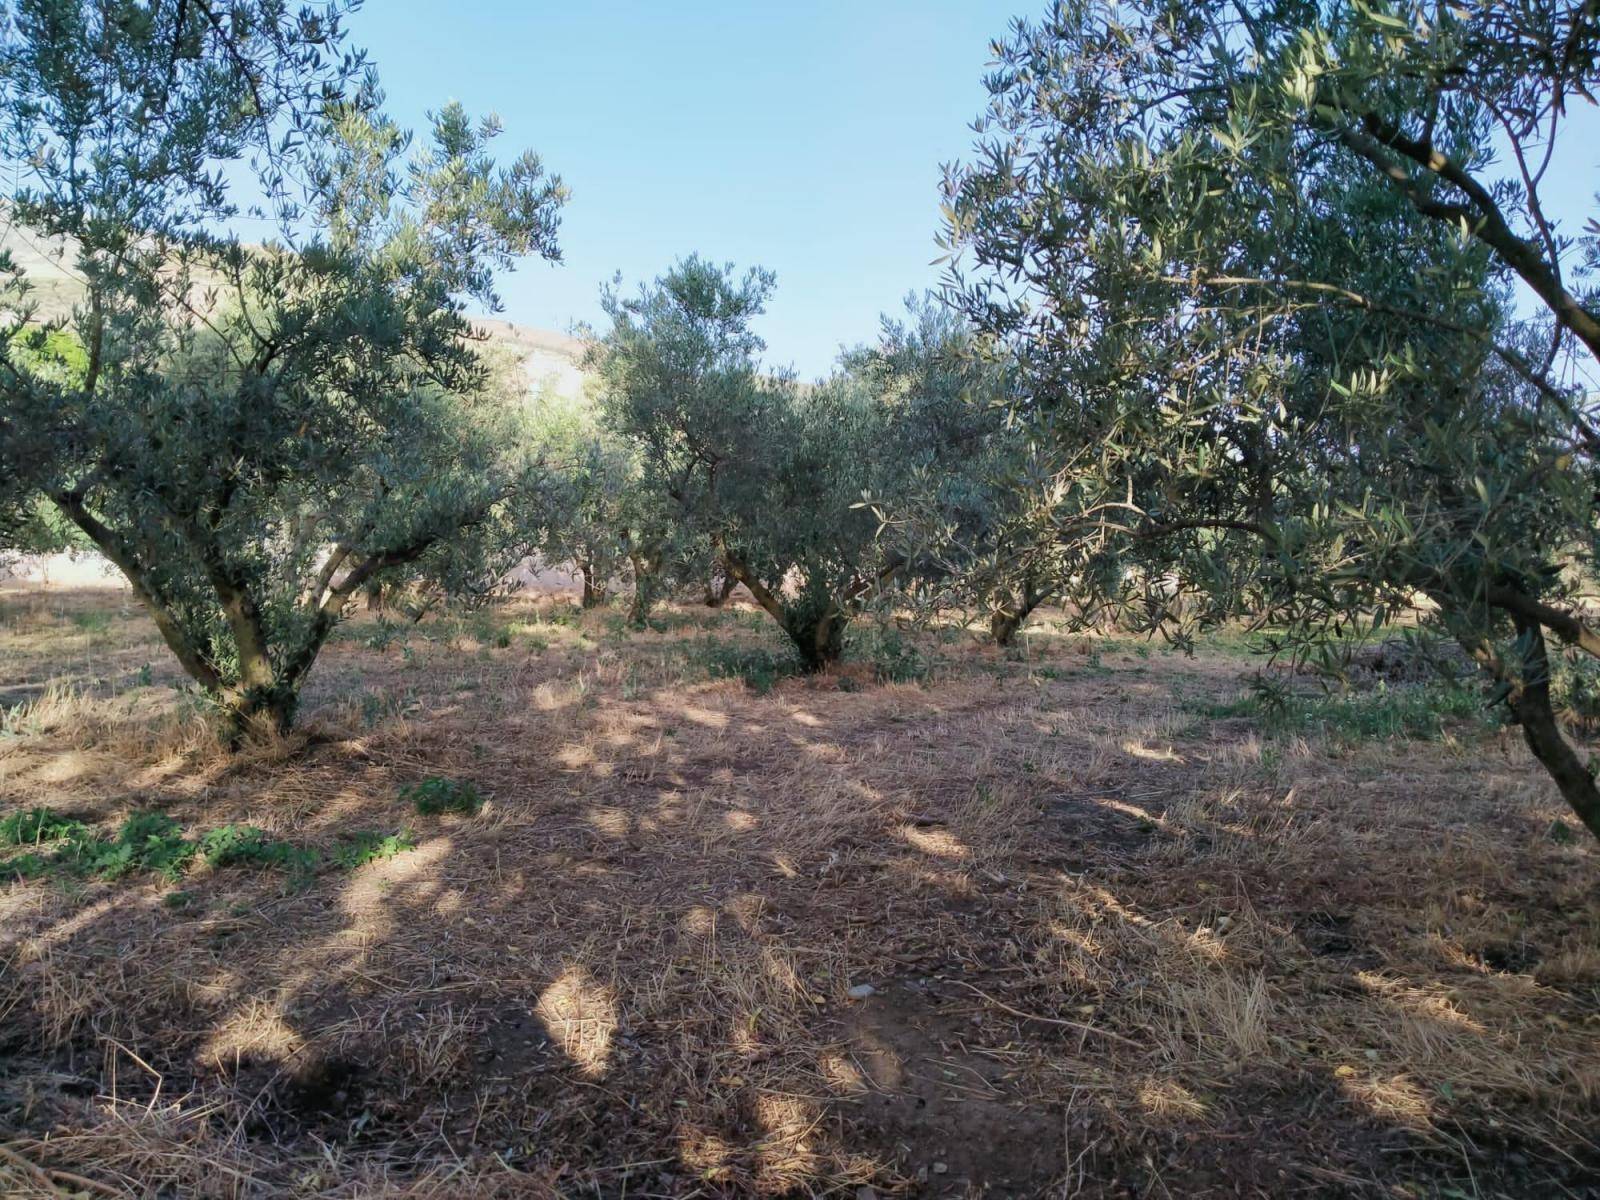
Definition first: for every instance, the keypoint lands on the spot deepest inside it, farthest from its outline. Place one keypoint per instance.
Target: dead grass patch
(1029, 926)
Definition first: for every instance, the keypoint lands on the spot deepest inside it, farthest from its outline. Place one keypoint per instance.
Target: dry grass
(1112, 946)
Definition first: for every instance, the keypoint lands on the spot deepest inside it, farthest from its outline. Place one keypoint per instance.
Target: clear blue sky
(804, 137)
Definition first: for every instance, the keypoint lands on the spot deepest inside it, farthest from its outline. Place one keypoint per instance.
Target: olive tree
(1257, 268)
(678, 383)
(766, 476)
(590, 475)
(790, 515)
(252, 434)
(972, 484)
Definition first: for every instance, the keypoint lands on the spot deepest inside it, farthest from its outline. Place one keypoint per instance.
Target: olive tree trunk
(257, 686)
(646, 588)
(1013, 613)
(1530, 705)
(719, 590)
(594, 594)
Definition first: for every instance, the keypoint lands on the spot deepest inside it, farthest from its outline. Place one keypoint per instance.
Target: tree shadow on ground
(1036, 936)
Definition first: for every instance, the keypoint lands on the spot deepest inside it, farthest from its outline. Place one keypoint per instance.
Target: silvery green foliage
(776, 480)
(971, 484)
(595, 482)
(253, 433)
(1254, 263)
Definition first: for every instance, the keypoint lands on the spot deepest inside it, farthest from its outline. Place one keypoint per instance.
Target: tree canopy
(253, 432)
(1260, 296)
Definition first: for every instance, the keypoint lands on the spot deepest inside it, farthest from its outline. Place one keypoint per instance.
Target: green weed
(894, 658)
(1417, 712)
(434, 795)
(155, 843)
(385, 634)
(148, 841)
(248, 846)
(92, 622)
(365, 847)
(759, 666)
(34, 826)
(1575, 689)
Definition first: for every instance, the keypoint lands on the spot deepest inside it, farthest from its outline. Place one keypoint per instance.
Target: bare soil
(1026, 927)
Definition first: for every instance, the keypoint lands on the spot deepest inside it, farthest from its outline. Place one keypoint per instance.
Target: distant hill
(48, 263)
(551, 360)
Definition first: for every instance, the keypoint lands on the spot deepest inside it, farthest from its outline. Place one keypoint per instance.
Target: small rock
(861, 991)
(940, 1169)
(866, 1192)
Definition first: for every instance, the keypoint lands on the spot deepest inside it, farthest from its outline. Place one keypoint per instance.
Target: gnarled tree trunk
(1530, 705)
(1008, 618)
(259, 696)
(593, 595)
(646, 588)
(719, 590)
(820, 641)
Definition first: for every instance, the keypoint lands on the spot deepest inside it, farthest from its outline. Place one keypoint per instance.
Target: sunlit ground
(1037, 925)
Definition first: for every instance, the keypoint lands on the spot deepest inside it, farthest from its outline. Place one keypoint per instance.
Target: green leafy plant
(759, 666)
(246, 845)
(365, 847)
(893, 656)
(384, 634)
(1575, 690)
(34, 826)
(435, 795)
(148, 841)
(154, 842)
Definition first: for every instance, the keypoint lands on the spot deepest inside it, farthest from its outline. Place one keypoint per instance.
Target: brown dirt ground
(1116, 947)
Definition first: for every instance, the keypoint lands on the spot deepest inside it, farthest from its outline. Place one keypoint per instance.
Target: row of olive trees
(700, 464)
(257, 434)
(1230, 332)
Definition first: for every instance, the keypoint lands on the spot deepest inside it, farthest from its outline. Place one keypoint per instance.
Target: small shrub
(385, 634)
(893, 657)
(669, 622)
(435, 795)
(759, 666)
(1575, 689)
(35, 826)
(562, 614)
(482, 628)
(365, 847)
